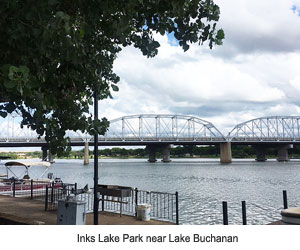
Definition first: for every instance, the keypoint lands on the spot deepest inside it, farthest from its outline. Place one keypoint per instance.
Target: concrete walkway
(22, 211)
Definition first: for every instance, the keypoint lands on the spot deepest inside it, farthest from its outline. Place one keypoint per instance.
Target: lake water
(202, 185)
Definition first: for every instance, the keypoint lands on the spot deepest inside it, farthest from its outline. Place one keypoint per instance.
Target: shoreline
(138, 157)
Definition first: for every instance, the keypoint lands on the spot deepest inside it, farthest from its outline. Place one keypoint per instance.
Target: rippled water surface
(202, 184)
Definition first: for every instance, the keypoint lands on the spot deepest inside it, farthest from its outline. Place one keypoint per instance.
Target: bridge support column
(283, 154)
(86, 160)
(50, 157)
(44, 153)
(260, 153)
(166, 153)
(225, 152)
(152, 153)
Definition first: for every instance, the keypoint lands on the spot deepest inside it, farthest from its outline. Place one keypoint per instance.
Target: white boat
(11, 181)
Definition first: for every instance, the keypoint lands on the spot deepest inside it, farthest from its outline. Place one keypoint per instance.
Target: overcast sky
(254, 73)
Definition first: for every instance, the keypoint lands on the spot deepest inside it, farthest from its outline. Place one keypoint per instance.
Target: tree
(56, 53)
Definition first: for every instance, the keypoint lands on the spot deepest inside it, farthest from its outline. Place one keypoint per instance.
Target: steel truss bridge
(267, 130)
(147, 129)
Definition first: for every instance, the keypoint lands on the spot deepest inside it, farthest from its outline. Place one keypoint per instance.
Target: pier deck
(20, 211)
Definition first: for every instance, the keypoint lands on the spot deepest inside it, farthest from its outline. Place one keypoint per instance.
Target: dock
(24, 211)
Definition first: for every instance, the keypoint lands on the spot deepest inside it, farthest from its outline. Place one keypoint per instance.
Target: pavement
(24, 211)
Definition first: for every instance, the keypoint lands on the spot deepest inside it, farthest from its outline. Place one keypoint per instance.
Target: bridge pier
(86, 160)
(50, 157)
(152, 153)
(225, 152)
(283, 154)
(260, 153)
(166, 153)
(44, 153)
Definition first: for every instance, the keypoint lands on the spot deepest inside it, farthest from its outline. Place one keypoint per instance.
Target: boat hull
(8, 188)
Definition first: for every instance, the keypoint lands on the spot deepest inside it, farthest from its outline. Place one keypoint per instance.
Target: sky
(255, 72)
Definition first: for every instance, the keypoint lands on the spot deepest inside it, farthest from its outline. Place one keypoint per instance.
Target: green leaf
(20, 89)
(220, 34)
(82, 31)
(25, 71)
(185, 47)
(10, 107)
(3, 114)
(162, 31)
(52, 2)
(12, 71)
(10, 84)
(67, 27)
(60, 14)
(114, 87)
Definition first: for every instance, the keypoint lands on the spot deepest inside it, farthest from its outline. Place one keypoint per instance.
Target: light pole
(96, 202)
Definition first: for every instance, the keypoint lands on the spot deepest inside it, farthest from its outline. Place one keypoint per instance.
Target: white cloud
(260, 25)
(255, 73)
(295, 83)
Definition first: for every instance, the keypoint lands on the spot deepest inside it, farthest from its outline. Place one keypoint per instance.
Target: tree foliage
(56, 53)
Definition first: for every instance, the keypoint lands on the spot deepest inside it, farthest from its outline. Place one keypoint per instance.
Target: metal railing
(164, 206)
(53, 195)
(33, 189)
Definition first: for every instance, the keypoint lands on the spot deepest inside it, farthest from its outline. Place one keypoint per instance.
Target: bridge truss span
(11, 132)
(153, 127)
(267, 129)
(140, 129)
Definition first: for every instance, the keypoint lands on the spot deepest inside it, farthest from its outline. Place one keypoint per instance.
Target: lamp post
(96, 203)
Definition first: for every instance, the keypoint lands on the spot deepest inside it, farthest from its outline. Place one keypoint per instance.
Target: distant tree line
(179, 151)
(185, 151)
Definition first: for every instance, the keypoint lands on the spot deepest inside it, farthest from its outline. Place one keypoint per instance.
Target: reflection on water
(202, 184)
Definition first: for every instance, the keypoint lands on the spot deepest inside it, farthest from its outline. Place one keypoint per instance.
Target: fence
(164, 206)
(52, 195)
